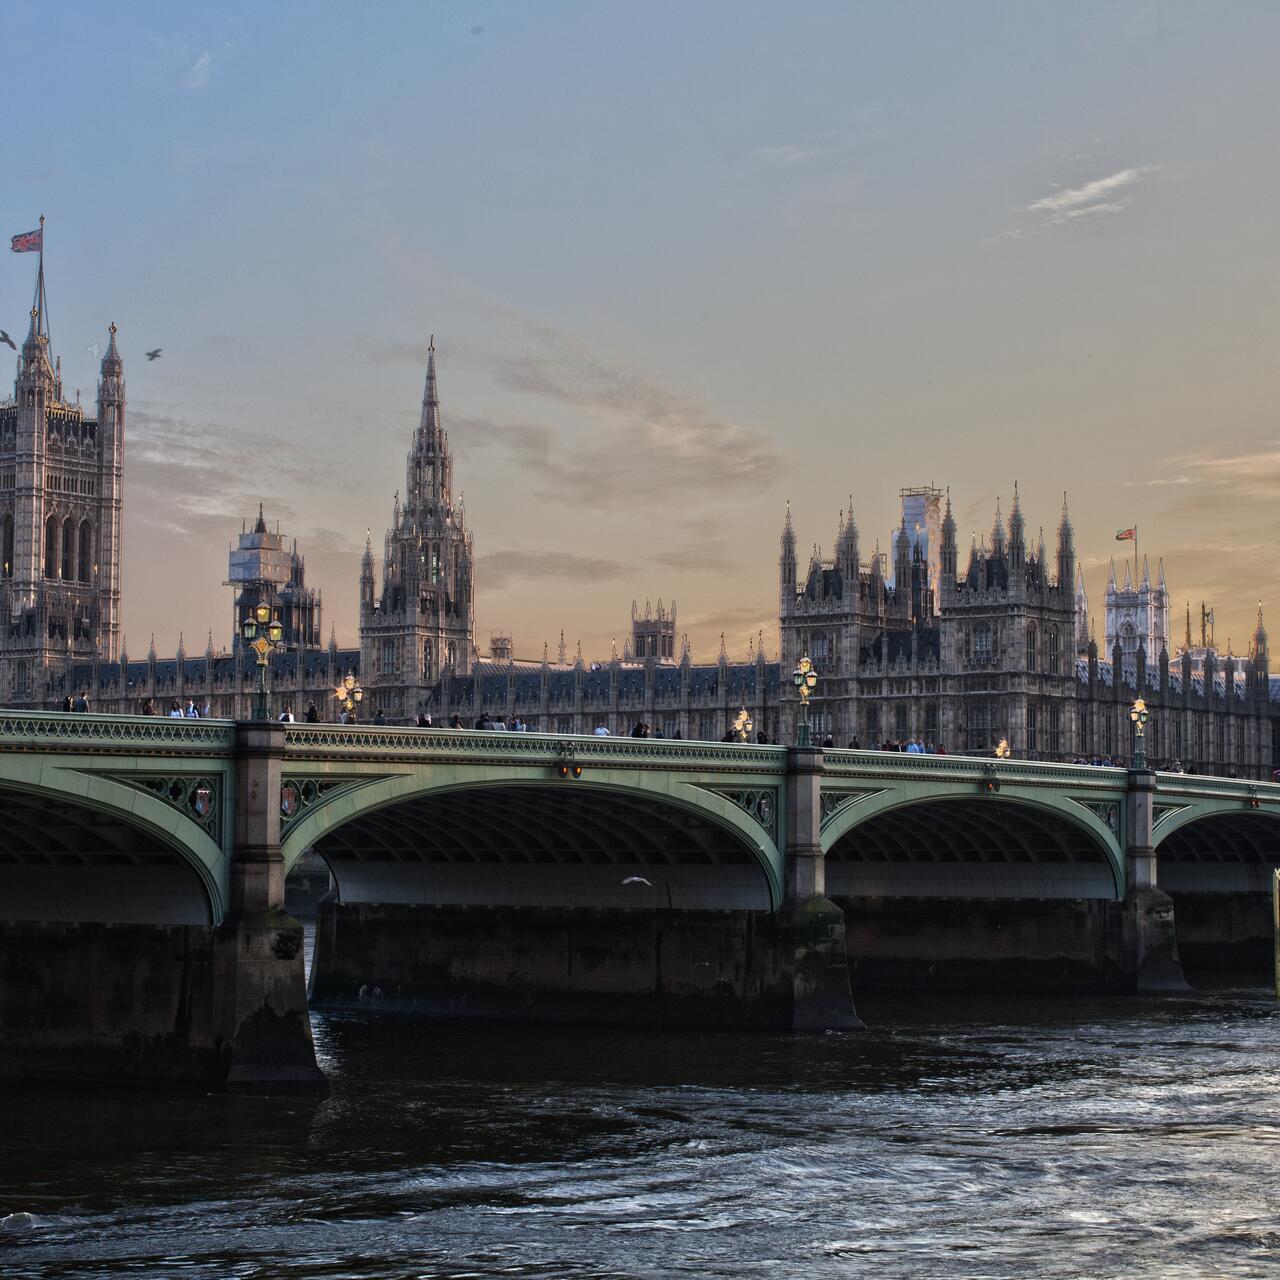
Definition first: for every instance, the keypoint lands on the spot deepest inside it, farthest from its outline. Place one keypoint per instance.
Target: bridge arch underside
(563, 845)
(64, 862)
(1218, 869)
(969, 848)
(975, 894)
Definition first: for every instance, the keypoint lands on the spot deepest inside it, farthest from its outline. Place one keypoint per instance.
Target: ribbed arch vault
(560, 845)
(982, 847)
(67, 862)
(1220, 852)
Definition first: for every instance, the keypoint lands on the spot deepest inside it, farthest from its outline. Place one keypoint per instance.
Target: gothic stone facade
(61, 474)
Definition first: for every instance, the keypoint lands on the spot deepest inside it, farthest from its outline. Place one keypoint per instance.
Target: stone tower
(1137, 615)
(61, 494)
(654, 635)
(423, 623)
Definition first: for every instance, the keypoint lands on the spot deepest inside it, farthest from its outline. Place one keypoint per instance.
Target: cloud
(1099, 197)
(502, 568)
(197, 77)
(655, 448)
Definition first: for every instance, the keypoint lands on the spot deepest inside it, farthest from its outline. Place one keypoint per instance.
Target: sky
(682, 263)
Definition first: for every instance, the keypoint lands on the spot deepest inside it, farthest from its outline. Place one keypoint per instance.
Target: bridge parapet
(152, 735)
(483, 745)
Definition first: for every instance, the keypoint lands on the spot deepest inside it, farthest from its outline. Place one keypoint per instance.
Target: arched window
(68, 549)
(982, 643)
(7, 563)
(453, 654)
(428, 652)
(1055, 650)
(51, 547)
(1031, 649)
(388, 657)
(86, 552)
(435, 563)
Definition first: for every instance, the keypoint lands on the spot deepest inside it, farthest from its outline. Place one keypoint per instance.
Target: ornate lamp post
(262, 633)
(1138, 716)
(805, 678)
(742, 725)
(348, 694)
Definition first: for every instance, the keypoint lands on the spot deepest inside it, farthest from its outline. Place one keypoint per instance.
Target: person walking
(455, 721)
(379, 718)
(602, 730)
(175, 711)
(312, 716)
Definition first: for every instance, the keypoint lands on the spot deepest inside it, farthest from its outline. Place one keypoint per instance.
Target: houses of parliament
(957, 651)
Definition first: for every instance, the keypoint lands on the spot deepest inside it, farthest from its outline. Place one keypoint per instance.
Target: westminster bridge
(143, 864)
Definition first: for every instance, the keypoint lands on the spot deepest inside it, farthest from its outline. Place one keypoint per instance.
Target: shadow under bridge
(553, 845)
(968, 847)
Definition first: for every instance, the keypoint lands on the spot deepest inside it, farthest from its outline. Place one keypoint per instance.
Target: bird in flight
(8, 341)
(154, 355)
(638, 880)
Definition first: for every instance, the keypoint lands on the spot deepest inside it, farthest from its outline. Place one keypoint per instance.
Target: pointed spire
(561, 655)
(546, 654)
(997, 532)
(1146, 574)
(724, 653)
(686, 655)
(760, 645)
(1017, 530)
(182, 646)
(151, 652)
(1160, 576)
(577, 661)
(1111, 577)
(208, 649)
(1128, 578)
(333, 638)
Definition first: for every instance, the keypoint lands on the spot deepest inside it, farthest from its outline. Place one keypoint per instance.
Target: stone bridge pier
(127, 954)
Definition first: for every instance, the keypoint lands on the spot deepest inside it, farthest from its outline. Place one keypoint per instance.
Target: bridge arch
(512, 840)
(1217, 845)
(956, 843)
(81, 848)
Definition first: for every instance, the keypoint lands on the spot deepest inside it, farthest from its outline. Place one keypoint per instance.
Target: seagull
(637, 880)
(8, 341)
(154, 355)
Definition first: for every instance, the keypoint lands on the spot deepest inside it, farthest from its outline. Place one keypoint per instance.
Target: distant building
(263, 572)
(60, 504)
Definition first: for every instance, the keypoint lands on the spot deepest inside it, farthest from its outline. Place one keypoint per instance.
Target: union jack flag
(1127, 535)
(28, 242)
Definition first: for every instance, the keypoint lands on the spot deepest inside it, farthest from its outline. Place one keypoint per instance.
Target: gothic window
(705, 731)
(1031, 649)
(1055, 650)
(931, 721)
(388, 657)
(982, 643)
(453, 654)
(1054, 743)
(873, 723)
(1033, 727)
(428, 651)
(7, 562)
(86, 551)
(900, 721)
(435, 562)
(51, 547)
(68, 549)
(821, 648)
(1084, 729)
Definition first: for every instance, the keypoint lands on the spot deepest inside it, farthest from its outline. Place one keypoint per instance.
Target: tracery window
(1031, 648)
(86, 552)
(51, 547)
(6, 565)
(1055, 650)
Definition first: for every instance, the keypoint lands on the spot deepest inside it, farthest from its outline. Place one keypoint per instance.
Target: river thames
(993, 1138)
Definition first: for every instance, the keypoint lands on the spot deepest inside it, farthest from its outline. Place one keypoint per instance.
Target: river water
(1015, 1138)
